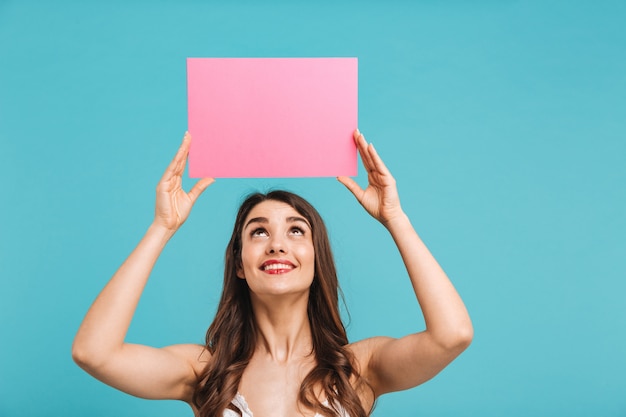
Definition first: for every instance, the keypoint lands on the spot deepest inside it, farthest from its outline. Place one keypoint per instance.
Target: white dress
(240, 402)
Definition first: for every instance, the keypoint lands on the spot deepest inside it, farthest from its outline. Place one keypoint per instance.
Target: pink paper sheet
(272, 117)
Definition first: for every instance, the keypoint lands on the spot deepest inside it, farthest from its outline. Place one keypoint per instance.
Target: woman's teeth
(276, 266)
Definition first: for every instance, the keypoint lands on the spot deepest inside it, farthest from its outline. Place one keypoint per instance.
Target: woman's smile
(277, 266)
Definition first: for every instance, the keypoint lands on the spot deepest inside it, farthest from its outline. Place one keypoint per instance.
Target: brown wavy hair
(232, 336)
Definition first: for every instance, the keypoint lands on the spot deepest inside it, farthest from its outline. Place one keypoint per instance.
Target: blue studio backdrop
(502, 121)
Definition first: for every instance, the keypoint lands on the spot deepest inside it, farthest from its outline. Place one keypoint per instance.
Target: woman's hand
(173, 204)
(380, 198)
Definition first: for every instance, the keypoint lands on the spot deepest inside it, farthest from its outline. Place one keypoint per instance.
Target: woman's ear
(240, 273)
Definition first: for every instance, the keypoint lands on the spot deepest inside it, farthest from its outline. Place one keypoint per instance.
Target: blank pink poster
(272, 117)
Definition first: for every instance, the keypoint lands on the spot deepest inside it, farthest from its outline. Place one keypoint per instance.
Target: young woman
(277, 345)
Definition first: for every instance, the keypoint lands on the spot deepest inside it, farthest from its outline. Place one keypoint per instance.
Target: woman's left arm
(396, 364)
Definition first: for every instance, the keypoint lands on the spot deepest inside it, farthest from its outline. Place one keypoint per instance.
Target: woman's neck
(283, 329)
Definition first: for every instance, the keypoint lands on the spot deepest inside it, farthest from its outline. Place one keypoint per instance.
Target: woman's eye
(297, 231)
(259, 232)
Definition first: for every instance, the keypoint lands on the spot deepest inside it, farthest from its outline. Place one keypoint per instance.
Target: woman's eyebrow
(256, 220)
(265, 220)
(293, 219)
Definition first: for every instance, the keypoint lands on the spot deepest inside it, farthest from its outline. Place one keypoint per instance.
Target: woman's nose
(276, 245)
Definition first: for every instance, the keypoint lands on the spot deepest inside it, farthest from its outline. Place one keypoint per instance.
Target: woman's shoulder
(363, 349)
(197, 356)
(365, 352)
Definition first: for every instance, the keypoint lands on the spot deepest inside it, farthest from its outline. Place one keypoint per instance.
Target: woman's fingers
(199, 188)
(362, 146)
(351, 185)
(181, 155)
(377, 161)
(177, 166)
(371, 160)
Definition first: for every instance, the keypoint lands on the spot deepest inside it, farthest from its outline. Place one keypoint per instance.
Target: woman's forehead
(273, 210)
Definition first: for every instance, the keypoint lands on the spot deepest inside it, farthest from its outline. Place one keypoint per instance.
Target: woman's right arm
(99, 347)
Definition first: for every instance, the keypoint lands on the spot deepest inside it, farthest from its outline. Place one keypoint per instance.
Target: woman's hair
(232, 336)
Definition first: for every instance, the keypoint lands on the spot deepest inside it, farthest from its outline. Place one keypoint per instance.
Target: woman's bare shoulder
(197, 356)
(362, 349)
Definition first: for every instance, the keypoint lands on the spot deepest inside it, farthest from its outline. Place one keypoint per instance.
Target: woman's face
(277, 253)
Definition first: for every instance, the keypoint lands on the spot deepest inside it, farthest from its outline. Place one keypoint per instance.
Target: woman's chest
(272, 390)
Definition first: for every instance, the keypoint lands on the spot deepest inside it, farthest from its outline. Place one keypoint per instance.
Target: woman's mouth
(277, 267)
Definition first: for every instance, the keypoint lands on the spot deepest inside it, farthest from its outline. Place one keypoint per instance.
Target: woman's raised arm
(397, 364)
(99, 346)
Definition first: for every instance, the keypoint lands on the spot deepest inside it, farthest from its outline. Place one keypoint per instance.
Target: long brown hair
(232, 336)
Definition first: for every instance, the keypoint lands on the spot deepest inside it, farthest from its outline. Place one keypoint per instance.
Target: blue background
(503, 122)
